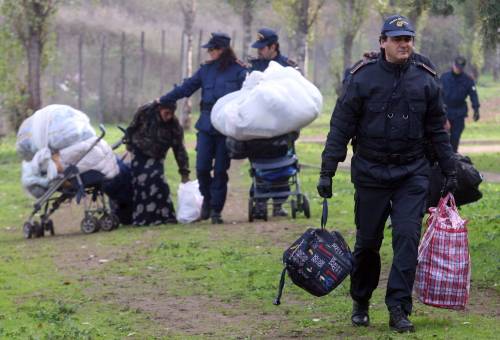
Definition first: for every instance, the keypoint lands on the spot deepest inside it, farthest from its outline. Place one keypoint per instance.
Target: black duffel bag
(318, 261)
(468, 179)
(274, 147)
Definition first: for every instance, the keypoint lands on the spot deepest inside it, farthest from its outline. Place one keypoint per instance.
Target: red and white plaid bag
(443, 269)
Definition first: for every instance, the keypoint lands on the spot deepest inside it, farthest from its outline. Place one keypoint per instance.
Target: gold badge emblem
(260, 36)
(399, 23)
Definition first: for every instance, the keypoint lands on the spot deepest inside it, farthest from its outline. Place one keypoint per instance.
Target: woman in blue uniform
(221, 75)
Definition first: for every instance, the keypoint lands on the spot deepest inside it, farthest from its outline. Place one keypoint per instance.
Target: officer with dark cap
(391, 106)
(268, 49)
(221, 75)
(457, 85)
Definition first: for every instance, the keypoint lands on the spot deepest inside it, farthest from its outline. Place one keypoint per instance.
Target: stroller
(73, 184)
(276, 178)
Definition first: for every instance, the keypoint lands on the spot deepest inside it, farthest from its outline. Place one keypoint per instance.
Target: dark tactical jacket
(261, 64)
(456, 88)
(390, 110)
(153, 137)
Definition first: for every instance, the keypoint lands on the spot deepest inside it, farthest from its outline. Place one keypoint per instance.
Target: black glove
(476, 115)
(325, 186)
(450, 184)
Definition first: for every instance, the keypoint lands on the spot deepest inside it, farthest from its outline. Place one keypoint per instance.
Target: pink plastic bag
(443, 269)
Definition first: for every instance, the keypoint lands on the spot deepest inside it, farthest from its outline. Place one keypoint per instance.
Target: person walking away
(268, 49)
(457, 85)
(391, 106)
(221, 75)
(153, 131)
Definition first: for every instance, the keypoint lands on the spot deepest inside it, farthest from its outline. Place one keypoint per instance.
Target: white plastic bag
(38, 173)
(55, 127)
(271, 103)
(189, 201)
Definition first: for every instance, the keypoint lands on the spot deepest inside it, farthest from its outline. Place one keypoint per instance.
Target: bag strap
(277, 301)
(324, 214)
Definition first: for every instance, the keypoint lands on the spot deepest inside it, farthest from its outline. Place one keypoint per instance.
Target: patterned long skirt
(151, 193)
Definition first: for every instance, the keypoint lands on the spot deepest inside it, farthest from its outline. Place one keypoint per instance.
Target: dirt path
(83, 258)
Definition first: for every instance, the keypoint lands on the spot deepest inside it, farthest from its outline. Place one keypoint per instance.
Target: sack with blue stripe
(318, 261)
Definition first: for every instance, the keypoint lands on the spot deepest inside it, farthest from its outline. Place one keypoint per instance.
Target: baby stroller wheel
(250, 210)
(107, 222)
(293, 208)
(90, 224)
(305, 207)
(49, 226)
(27, 230)
(38, 230)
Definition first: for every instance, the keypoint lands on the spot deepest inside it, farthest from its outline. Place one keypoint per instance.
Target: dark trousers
(211, 154)
(405, 204)
(457, 127)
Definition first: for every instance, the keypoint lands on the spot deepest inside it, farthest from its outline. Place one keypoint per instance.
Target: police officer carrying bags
(390, 106)
(221, 75)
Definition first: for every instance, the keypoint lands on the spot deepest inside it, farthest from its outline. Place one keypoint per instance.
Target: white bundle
(271, 103)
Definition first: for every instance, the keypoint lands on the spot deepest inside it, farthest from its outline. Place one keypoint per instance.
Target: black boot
(205, 210)
(398, 320)
(216, 218)
(360, 315)
(278, 210)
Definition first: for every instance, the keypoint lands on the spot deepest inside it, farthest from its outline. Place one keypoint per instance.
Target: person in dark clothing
(223, 74)
(268, 49)
(391, 106)
(457, 85)
(153, 131)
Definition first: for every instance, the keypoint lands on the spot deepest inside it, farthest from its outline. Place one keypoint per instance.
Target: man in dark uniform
(268, 49)
(457, 85)
(221, 75)
(391, 106)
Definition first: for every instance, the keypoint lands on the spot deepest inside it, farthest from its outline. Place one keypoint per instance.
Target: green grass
(232, 270)
(487, 161)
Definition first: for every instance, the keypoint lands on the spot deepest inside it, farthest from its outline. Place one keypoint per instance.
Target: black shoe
(216, 218)
(278, 211)
(398, 320)
(360, 315)
(205, 210)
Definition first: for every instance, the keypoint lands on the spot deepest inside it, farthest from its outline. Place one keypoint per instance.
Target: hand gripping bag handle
(324, 218)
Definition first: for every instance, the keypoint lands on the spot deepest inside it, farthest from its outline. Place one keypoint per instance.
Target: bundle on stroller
(63, 159)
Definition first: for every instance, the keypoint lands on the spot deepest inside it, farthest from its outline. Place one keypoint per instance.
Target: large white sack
(54, 126)
(189, 201)
(37, 174)
(271, 103)
(101, 158)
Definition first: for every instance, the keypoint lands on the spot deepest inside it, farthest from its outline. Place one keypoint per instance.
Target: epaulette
(361, 64)
(242, 63)
(427, 68)
(292, 63)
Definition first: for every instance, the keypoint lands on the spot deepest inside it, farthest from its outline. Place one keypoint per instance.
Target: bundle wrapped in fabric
(54, 126)
(270, 103)
(54, 138)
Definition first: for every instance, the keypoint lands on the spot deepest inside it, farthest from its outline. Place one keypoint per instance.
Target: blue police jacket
(262, 64)
(456, 88)
(214, 83)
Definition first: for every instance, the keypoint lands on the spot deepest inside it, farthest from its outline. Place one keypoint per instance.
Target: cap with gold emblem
(218, 40)
(397, 25)
(265, 37)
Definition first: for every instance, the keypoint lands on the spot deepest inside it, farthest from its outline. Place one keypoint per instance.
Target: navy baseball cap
(218, 40)
(265, 37)
(397, 25)
(460, 62)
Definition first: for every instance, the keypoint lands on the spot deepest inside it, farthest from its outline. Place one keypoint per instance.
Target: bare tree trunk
(80, 70)
(182, 56)
(247, 16)
(102, 99)
(54, 71)
(162, 61)
(122, 76)
(34, 51)
(189, 11)
(301, 40)
(143, 63)
(200, 42)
